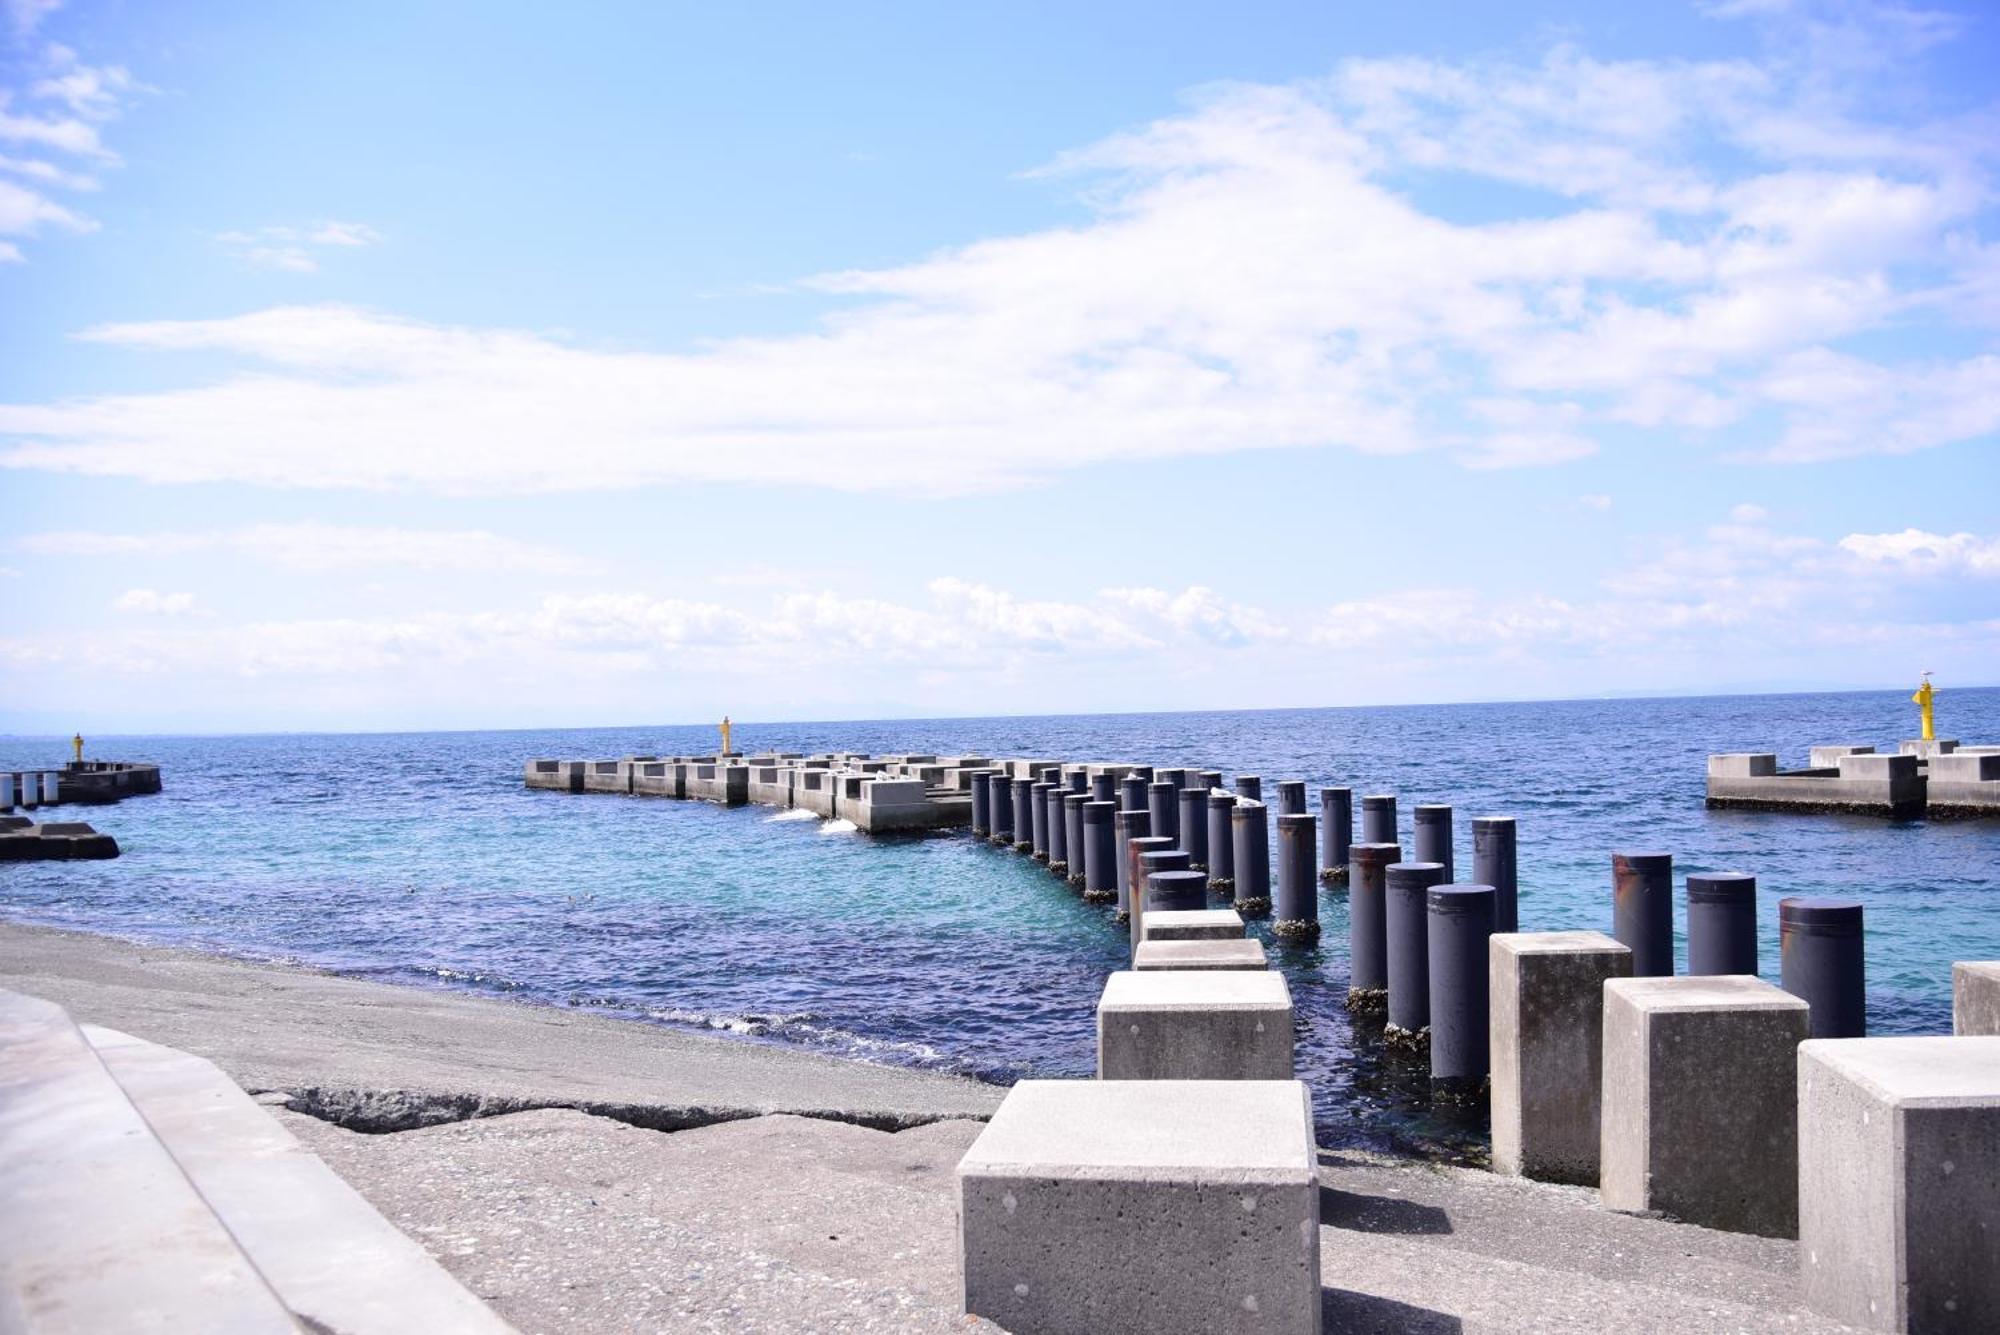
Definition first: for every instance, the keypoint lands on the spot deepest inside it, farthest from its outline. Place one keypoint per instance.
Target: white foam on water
(796, 813)
(838, 827)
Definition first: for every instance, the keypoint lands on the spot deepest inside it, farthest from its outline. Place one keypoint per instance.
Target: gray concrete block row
(1936, 778)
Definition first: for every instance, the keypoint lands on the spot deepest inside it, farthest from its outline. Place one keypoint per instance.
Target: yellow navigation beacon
(1923, 698)
(725, 734)
(77, 742)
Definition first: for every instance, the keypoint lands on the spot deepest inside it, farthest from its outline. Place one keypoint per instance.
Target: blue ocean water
(420, 858)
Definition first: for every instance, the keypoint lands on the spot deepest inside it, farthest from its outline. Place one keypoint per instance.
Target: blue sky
(380, 366)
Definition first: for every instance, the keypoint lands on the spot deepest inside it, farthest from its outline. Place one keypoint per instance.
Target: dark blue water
(421, 858)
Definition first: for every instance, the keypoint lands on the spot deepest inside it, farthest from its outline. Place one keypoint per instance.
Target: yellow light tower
(1923, 699)
(77, 742)
(725, 734)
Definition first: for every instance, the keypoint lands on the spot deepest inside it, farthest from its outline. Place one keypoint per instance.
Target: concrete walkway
(380, 1057)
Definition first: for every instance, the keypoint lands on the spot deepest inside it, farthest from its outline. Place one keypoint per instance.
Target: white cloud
(24, 16)
(1259, 272)
(290, 249)
(1747, 513)
(317, 548)
(1916, 552)
(89, 96)
(151, 602)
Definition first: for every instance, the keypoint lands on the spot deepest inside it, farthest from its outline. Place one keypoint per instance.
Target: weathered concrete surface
(1975, 997)
(1199, 954)
(1899, 1181)
(1144, 1206)
(571, 1224)
(1193, 925)
(1195, 1024)
(1545, 1014)
(382, 1057)
(1700, 1116)
(567, 1224)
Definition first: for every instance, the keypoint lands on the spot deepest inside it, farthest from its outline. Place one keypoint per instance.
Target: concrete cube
(1828, 757)
(1546, 1016)
(1899, 1182)
(1185, 1024)
(1743, 765)
(1700, 1117)
(1975, 997)
(1965, 784)
(1193, 925)
(1108, 1207)
(1199, 954)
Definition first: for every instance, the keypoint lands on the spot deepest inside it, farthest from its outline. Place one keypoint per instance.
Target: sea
(420, 858)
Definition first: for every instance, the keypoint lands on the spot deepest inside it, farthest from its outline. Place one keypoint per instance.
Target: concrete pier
(1493, 863)
(1291, 797)
(1104, 787)
(1899, 1182)
(1367, 925)
(1461, 922)
(1862, 784)
(1038, 824)
(1250, 838)
(1195, 1025)
(1378, 819)
(1430, 831)
(1700, 1118)
(1963, 785)
(1221, 843)
(1100, 852)
(21, 840)
(1192, 824)
(1073, 839)
(1126, 826)
(1295, 910)
(1642, 910)
(1336, 832)
(1819, 948)
(1407, 925)
(1547, 1051)
(1975, 998)
(1722, 923)
(1175, 890)
(1165, 858)
(1126, 1207)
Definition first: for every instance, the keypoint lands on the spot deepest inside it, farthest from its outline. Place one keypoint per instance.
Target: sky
(384, 366)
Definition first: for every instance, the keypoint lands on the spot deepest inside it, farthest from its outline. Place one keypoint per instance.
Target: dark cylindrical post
(1162, 799)
(1291, 797)
(1024, 815)
(1135, 875)
(1078, 781)
(1430, 826)
(1460, 921)
(1194, 824)
(1177, 777)
(1176, 890)
(1211, 779)
(1250, 840)
(1642, 910)
(1378, 818)
(1164, 859)
(1001, 801)
(982, 806)
(1100, 852)
(1132, 793)
(1367, 925)
(1058, 832)
(1128, 825)
(1493, 864)
(1406, 896)
(1819, 945)
(1038, 820)
(1073, 843)
(1103, 788)
(1250, 787)
(1143, 773)
(1295, 912)
(1221, 843)
(1336, 832)
(1722, 923)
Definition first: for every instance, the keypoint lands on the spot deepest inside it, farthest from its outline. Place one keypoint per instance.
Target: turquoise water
(421, 858)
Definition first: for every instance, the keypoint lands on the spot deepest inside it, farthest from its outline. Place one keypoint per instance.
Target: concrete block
(1828, 757)
(1743, 765)
(1238, 954)
(1129, 1207)
(1195, 1025)
(1700, 1116)
(607, 776)
(1928, 748)
(1975, 997)
(1964, 784)
(1194, 925)
(1545, 1014)
(1899, 1182)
